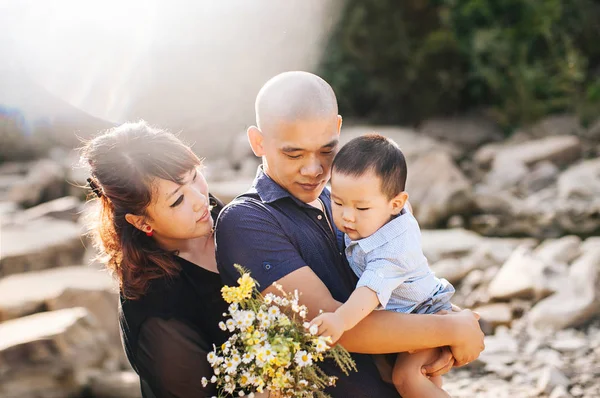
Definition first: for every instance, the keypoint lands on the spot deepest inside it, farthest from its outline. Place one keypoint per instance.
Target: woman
(154, 226)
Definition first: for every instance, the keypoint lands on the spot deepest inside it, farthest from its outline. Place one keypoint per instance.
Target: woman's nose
(200, 200)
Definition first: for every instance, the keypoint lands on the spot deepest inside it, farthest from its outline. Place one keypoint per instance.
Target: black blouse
(169, 331)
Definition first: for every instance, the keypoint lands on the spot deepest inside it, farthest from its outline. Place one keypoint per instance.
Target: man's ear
(339, 124)
(137, 221)
(398, 202)
(255, 137)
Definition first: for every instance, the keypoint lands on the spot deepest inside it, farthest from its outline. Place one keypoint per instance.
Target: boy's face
(358, 205)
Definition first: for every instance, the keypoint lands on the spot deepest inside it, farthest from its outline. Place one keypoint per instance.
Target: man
(281, 231)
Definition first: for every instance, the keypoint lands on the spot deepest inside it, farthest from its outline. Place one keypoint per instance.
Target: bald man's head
(292, 96)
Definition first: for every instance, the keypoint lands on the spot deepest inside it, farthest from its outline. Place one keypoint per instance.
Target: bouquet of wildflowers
(271, 347)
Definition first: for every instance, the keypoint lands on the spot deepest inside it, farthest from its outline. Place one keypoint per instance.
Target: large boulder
(437, 189)
(48, 355)
(577, 300)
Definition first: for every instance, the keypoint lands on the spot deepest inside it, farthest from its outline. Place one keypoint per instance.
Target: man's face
(298, 155)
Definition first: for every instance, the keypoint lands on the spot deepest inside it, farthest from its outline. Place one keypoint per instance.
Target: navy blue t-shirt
(271, 233)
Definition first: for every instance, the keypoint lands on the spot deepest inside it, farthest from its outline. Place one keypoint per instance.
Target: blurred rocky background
(495, 104)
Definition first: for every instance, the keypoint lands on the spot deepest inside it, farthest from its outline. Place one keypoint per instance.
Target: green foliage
(402, 61)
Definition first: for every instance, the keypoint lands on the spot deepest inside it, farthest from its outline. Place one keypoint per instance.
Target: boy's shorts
(440, 300)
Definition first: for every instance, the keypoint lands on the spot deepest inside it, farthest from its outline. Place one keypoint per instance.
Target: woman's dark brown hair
(124, 162)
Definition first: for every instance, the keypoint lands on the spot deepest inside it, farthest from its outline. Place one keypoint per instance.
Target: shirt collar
(270, 191)
(385, 234)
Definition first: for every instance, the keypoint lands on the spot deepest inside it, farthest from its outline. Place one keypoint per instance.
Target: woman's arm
(171, 358)
(390, 332)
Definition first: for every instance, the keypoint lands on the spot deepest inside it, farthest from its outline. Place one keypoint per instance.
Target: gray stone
(448, 243)
(563, 250)
(520, 276)
(541, 176)
(551, 378)
(576, 302)
(496, 314)
(45, 181)
(41, 354)
(39, 244)
(115, 385)
(67, 208)
(467, 132)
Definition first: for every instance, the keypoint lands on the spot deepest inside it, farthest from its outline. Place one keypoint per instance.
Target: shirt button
(319, 217)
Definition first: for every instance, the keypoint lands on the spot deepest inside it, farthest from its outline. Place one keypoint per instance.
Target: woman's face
(180, 212)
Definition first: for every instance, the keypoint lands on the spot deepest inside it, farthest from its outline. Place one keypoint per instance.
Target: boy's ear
(255, 137)
(136, 221)
(398, 202)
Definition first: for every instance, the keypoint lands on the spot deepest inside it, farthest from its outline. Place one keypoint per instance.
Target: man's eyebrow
(331, 144)
(291, 149)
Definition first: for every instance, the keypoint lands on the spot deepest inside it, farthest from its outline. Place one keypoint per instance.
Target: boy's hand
(329, 324)
(469, 341)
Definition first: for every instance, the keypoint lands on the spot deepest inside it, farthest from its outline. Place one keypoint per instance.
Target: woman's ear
(137, 221)
(255, 137)
(398, 202)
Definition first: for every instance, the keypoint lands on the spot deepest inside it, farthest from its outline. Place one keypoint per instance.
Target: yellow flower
(236, 294)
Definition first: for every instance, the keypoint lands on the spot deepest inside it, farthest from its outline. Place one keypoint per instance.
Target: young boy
(383, 247)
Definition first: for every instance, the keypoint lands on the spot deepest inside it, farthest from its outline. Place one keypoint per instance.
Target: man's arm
(390, 332)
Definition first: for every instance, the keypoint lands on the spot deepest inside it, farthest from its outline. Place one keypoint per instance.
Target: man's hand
(329, 324)
(469, 341)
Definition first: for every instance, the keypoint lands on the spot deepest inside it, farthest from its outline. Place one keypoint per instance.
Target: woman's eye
(178, 201)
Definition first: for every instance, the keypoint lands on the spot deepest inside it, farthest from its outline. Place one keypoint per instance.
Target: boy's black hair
(374, 152)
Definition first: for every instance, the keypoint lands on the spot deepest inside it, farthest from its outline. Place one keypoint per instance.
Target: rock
(564, 124)
(560, 150)
(569, 344)
(437, 189)
(45, 181)
(563, 250)
(43, 355)
(560, 392)
(521, 276)
(61, 288)
(591, 243)
(541, 176)
(580, 181)
(115, 385)
(67, 208)
(456, 221)
(496, 314)
(413, 144)
(486, 154)
(467, 132)
(448, 243)
(6, 184)
(40, 244)
(576, 302)
(551, 378)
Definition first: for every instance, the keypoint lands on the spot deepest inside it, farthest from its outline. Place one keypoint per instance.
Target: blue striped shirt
(392, 264)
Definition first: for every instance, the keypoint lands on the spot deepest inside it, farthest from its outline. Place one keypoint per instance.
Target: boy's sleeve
(249, 235)
(383, 275)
